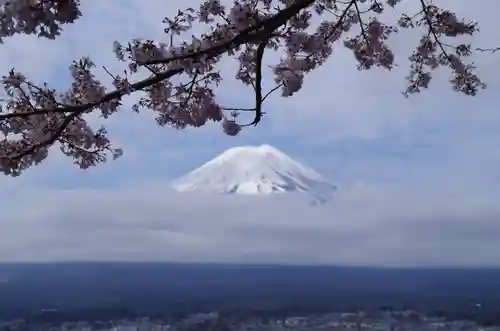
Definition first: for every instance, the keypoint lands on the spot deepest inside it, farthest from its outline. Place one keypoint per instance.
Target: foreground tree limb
(34, 118)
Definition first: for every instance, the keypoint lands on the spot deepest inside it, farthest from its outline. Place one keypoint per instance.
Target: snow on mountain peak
(254, 170)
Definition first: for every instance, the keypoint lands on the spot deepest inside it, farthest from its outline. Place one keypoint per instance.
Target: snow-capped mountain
(255, 170)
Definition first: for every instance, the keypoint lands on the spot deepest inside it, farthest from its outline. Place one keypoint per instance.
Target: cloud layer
(363, 225)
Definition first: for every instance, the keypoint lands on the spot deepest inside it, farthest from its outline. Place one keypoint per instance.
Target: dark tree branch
(249, 34)
(492, 50)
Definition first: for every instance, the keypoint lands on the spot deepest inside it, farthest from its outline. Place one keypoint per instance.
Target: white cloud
(365, 224)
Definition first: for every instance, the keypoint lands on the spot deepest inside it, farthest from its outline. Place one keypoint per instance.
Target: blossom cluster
(43, 18)
(183, 76)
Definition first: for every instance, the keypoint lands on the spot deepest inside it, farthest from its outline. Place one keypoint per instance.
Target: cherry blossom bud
(230, 127)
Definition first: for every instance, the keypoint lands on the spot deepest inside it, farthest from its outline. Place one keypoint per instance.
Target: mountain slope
(254, 170)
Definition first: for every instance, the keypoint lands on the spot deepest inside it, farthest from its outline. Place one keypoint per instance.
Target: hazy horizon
(366, 267)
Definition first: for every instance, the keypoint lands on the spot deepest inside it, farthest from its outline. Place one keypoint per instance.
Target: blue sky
(428, 165)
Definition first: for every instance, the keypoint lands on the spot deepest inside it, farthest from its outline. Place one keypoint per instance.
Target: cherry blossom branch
(432, 31)
(471, 83)
(492, 50)
(54, 135)
(37, 17)
(79, 109)
(34, 118)
(75, 110)
(361, 24)
(73, 113)
(247, 35)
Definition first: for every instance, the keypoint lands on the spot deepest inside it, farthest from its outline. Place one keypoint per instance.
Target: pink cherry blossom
(183, 75)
